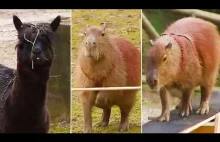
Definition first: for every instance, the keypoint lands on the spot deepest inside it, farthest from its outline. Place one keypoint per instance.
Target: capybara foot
(87, 130)
(123, 127)
(163, 118)
(186, 109)
(103, 124)
(203, 109)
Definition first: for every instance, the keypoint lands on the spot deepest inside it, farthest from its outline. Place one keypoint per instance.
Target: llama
(25, 108)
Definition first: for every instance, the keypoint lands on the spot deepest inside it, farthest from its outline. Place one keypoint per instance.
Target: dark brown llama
(25, 109)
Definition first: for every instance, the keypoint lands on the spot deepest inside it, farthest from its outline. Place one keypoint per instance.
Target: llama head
(35, 42)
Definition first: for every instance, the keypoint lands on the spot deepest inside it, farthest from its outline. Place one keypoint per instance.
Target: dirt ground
(151, 105)
(8, 32)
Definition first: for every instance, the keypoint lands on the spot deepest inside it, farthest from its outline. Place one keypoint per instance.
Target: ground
(123, 23)
(8, 39)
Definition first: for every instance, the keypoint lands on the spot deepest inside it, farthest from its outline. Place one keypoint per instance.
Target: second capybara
(107, 61)
(185, 56)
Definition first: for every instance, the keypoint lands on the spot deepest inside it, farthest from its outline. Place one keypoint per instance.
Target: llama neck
(30, 87)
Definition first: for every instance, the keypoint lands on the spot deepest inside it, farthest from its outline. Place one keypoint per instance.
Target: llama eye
(103, 34)
(33, 32)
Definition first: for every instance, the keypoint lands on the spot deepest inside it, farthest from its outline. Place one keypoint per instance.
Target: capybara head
(95, 42)
(162, 62)
(35, 42)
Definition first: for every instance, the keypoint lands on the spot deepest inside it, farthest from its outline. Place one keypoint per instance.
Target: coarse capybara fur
(25, 109)
(107, 61)
(187, 55)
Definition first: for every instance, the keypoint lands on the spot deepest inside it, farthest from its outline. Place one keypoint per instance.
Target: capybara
(184, 57)
(25, 109)
(107, 61)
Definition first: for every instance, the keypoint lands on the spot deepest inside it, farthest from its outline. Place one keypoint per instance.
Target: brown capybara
(187, 55)
(107, 61)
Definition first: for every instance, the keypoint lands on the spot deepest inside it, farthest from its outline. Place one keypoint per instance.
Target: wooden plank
(204, 129)
(179, 124)
(217, 123)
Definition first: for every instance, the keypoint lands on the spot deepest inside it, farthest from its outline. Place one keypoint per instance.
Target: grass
(59, 128)
(125, 24)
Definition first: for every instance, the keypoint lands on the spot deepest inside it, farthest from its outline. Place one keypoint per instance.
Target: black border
(109, 4)
(114, 137)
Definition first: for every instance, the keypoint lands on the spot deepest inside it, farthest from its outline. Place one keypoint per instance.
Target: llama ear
(104, 26)
(17, 22)
(55, 23)
(169, 45)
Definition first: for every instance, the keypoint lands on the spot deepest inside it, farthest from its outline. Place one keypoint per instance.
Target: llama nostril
(86, 42)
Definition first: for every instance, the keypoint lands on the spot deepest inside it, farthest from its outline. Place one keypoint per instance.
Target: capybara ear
(17, 22)
(55, 23)
(169, 45)
(83, 33)
(151, 42)
(104, 26)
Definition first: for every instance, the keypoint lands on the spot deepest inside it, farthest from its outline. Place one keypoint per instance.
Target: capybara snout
(151, 79)
(90, 41)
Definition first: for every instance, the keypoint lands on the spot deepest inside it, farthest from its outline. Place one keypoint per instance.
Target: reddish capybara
(184, 57)
(107, 61)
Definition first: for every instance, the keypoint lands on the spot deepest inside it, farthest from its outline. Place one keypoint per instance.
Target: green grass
(135, 118)
(125, 24)
(60, 128)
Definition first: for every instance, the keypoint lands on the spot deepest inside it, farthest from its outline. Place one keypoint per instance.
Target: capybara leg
(88, 101)
(204, 103)
(186, 108)
(165, 114)
(179, 106)
(124, 124)
(105, 117)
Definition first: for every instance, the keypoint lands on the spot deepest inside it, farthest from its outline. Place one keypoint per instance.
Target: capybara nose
(92, 42)
(152, 82)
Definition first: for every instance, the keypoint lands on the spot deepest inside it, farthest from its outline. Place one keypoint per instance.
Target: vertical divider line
(141, 64)
(70, 70)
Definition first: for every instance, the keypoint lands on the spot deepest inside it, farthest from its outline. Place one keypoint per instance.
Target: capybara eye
(164, 58)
